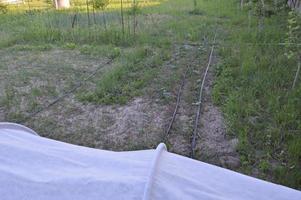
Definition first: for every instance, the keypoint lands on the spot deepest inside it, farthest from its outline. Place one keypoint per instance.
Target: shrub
(3, 8)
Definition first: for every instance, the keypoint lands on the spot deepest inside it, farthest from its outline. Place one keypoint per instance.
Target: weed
(109, 51)
(70, 45)
(126, 80)
(253, 80)
(253, 86)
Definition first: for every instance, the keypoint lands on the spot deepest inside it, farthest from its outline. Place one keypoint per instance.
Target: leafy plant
(135, 9)
(3, 8)
(291, 50)
(196, 10)
(101, 4)
(291, 35)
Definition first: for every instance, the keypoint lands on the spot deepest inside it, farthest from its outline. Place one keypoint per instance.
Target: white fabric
(37, 168)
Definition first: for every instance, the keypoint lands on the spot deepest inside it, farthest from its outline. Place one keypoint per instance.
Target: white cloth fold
(37, 168)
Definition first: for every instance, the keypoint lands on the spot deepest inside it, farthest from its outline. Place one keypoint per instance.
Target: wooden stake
(122, 18)
(88, 12)
(297, 74)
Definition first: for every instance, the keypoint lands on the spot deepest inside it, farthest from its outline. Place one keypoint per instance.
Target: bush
(3, 8)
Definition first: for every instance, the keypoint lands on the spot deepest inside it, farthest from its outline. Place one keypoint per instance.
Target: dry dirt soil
(29, 80)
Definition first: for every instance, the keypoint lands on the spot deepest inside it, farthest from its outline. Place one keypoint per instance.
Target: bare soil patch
(133, 126)
(214, 145)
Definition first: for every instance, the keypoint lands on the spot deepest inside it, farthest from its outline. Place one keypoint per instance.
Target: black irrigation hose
(198, 114)
(64, 95)
(177, 103)
(179, 94)
(250, 44)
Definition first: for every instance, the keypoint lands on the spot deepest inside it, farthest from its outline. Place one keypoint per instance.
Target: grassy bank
(254, 87)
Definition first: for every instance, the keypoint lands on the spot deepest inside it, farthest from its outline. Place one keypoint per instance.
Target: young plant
(195, 4)
(102, 4)
(291, 35)
(291, 39)
(195, 10)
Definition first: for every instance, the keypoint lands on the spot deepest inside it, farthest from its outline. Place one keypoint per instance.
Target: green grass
(78, 5)
(138, 56)
(253, 86)
(125, 81)
(253, 78)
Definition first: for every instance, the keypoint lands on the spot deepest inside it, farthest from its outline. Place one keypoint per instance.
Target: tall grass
(253, 78)
(254, 87)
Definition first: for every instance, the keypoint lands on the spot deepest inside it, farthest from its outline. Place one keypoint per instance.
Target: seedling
(102, 4)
